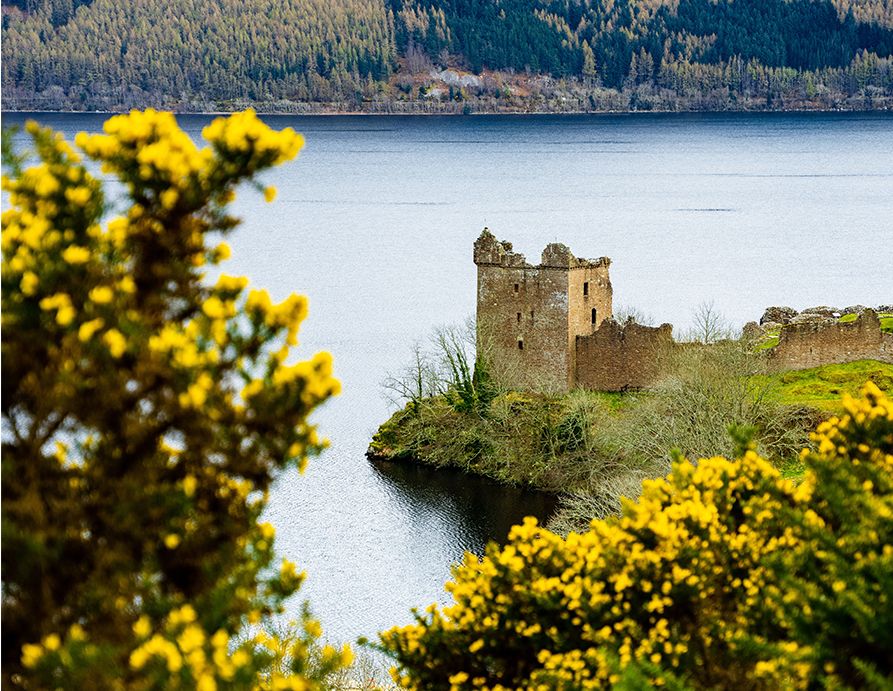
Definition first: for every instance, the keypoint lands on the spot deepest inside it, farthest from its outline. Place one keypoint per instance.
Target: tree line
(95, 53)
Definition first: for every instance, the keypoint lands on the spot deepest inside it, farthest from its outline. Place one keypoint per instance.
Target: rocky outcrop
(822, 311)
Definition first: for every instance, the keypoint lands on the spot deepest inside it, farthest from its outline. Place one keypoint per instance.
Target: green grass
(612, 401)
(885, 318)
(770, 341)
(823, 387)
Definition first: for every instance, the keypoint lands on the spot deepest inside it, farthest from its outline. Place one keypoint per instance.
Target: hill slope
(199, 54)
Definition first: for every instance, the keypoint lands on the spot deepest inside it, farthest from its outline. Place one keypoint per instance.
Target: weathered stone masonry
(551, 326)
(811, 344)
(619, 357)
(532, 315)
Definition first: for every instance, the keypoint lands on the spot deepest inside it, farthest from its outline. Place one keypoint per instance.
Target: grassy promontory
(596, 447)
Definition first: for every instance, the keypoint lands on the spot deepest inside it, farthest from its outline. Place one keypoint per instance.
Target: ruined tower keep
(529, 317)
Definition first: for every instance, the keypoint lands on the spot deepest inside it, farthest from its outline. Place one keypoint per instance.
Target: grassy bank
(595, 447)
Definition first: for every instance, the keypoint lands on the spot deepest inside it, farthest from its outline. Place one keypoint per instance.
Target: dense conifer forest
(447, 55)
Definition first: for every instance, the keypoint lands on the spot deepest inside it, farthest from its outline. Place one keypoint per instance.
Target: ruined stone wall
(621, 357)
(812, 344)
(521, 316)
(591, 302)
(528, 316)
(522, 324)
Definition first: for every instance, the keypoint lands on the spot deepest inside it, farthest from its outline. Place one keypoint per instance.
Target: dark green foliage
(158, 51)
(189, 54)
(549, 37)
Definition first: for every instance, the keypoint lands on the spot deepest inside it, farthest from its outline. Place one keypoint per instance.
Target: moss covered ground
(823, 387)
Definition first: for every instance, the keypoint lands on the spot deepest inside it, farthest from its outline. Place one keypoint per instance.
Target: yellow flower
(258, 301)
(76, 255)
(78, 195)
(459, 678)
(88, 329)
(46, 185)
(191, 638)
(143, 627)
(231, 283)
(127, 285)
(169, 198)
(213, 307)
(189, 485)
(65, 315)
(31, 654)
(269, 193)
(623, 581)
(29, 283)
(101, 295)
(172, 541)
(115, 341)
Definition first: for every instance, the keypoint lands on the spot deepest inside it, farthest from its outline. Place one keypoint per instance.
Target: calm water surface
(375, 223)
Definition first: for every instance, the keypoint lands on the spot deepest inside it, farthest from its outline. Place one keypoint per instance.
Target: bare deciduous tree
(708, 325)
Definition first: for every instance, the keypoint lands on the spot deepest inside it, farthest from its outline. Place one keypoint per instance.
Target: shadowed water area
(375, 223)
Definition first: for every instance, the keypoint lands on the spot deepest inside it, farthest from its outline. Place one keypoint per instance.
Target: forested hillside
(379, 54)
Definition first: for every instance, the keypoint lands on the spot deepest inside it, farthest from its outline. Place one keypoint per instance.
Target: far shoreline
(536, 113)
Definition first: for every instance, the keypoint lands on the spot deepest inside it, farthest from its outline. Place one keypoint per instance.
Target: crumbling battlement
(816, 343)
(490, 251)
(620, 357)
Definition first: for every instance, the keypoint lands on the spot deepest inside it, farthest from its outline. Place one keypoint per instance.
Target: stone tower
(529, 317)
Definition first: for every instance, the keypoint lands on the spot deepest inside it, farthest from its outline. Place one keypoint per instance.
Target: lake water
(375, 222)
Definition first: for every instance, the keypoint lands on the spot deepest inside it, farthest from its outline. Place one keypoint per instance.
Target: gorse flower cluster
(146, 412)
(723, 575)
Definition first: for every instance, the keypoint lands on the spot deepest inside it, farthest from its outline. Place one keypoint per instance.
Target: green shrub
(146, 414)
(723, 575)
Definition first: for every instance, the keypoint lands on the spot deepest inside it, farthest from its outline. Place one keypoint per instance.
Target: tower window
(593, 315)
(586, 289)
(516, 287)
(520, 344)
(519, 317)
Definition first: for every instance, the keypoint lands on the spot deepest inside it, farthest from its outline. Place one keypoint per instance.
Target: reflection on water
(477, 510)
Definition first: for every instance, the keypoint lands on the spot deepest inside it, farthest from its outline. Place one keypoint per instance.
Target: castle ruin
(825, 342)
(545, 324)
(550, 326)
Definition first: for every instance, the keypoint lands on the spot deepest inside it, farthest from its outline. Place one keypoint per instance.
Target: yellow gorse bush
(146, 413)
(723, 575)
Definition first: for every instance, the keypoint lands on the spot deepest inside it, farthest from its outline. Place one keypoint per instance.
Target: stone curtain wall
(619, 358)
(811, 344)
